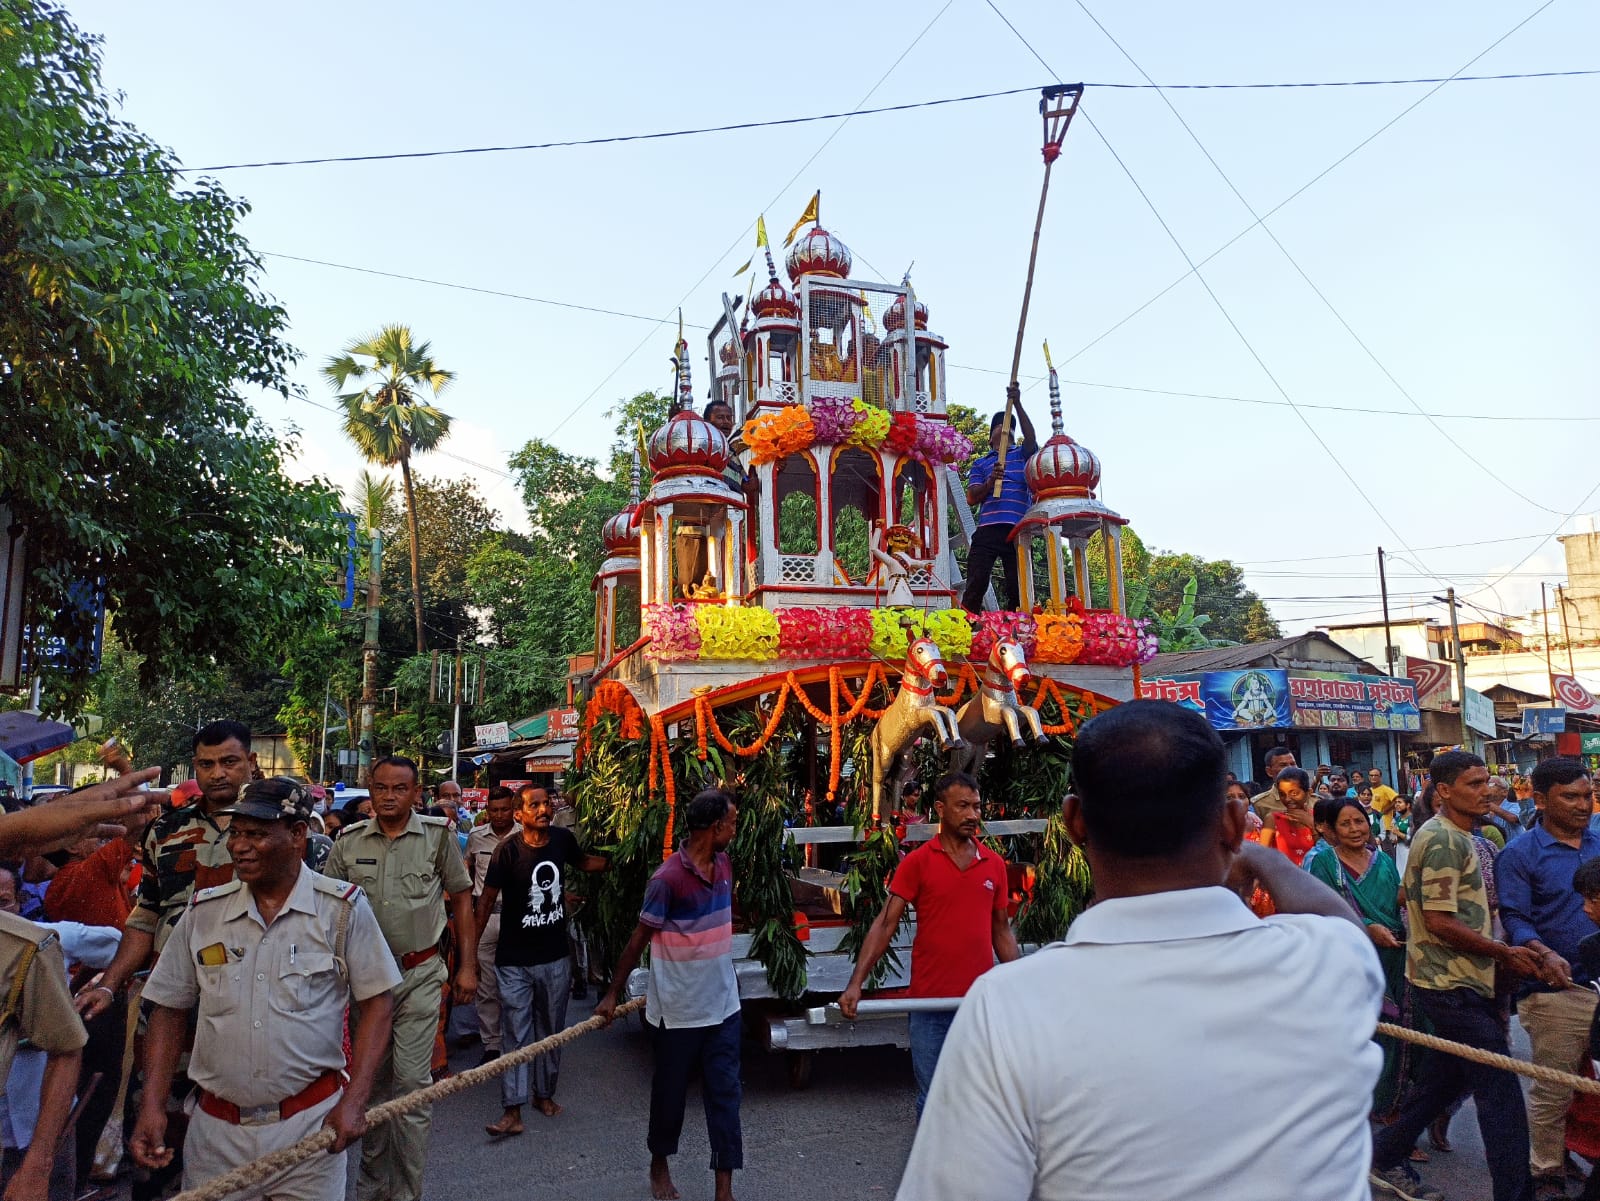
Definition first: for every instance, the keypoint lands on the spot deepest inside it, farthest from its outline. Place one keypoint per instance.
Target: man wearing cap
(270, 960)
(408, 864)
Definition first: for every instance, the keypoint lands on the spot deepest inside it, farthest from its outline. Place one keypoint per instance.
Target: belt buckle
(258, 1115)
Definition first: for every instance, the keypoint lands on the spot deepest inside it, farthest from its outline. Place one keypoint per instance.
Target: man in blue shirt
(998, 515)
(1540, 910)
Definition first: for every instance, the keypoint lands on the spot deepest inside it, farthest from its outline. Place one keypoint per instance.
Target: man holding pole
(998, 514)
(960, 894)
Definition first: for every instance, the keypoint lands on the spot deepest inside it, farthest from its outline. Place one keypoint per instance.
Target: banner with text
(1332, 700)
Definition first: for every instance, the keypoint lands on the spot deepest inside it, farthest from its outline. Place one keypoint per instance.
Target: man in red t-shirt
(958, 888)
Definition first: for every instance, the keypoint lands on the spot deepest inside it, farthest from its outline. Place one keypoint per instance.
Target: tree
(131, 318)
(372, 501)
(386, 419)
(1157, 583)
(451, 522)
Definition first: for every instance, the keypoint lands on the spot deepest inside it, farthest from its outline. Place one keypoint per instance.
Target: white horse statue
(995, 706)
(915, 705)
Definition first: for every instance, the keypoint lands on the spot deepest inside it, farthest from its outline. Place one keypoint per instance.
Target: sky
(1445, 266)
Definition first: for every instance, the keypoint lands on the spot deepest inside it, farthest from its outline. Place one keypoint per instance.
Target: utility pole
(322, 759)
(1561, 600)
(1388, 637)
(458, 676)
(1461, 668)
(369, 664)
(1549, 668)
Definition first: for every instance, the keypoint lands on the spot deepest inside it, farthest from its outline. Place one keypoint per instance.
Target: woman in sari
(1367, 879)
(1292, 831)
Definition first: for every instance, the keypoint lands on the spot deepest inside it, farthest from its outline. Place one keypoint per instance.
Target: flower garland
(902, 434)
(892, 629)
(824, 633)
(1058, 637)
(991, 627)
(737, 632)
(609, 697)
(673, 630)
(776, 435)
(1111, 640)
(966, 679)
(659, 748)
(871, 425)
(1049, 689)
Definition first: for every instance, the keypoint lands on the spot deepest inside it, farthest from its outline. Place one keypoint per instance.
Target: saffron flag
(809, 215)
(761, 240)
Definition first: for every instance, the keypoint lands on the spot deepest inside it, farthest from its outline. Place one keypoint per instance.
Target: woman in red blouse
(1292, 831)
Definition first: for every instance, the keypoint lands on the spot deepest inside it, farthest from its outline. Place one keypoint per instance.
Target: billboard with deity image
(1256, 698)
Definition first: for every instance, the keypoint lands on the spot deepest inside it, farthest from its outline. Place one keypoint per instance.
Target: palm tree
(372, 498)
(388, 421)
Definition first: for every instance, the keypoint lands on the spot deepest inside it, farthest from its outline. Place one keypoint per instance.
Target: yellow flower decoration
(737, 633)
(1059, 638)
(949, 628)
(871, 428)
(776, 435)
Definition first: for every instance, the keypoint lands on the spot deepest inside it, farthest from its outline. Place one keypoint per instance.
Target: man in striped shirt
(692, 1005)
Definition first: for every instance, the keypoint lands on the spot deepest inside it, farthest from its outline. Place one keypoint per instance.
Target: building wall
(1581, 596)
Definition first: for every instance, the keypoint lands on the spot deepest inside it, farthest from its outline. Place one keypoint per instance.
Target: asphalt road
(845, 1137)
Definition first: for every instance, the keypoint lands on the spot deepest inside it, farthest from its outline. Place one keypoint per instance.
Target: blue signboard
(1256, 698)
(1543, 723)
(86, 613)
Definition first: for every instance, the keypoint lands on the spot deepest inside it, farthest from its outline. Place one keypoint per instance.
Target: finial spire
(1056, 424)
(681, 358)
(633, 476)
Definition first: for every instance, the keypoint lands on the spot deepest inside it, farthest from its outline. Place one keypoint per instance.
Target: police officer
(407, 864)
(271, 960)
(37, 1006)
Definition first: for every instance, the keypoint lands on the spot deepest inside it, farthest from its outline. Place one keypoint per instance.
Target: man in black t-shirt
(529, 873)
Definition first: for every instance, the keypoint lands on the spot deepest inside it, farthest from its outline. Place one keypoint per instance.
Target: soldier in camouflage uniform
(186, 849)
(1451, 958)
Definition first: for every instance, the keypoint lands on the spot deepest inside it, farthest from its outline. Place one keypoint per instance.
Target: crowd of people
(211, 981)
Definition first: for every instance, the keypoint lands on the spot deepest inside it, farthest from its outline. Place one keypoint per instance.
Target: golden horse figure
(915, 706)
(995, 706)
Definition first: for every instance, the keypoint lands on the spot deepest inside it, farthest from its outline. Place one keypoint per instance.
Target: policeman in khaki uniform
(408, 864)
(37, 1006)
(271, 960)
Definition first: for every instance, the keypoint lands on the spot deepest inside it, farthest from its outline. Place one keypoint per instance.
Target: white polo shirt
(1173, 1045)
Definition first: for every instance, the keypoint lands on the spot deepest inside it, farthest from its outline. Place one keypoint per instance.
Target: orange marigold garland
(773, 436)
(610, 697)
(658, 746)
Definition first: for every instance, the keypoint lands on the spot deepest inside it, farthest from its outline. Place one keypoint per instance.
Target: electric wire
(1299, 270)
(1215, 299)
(745, 233)
(1084, 383)
(777, 122)
(1290, 198)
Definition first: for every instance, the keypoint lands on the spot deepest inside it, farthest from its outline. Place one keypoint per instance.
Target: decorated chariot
(778, 613)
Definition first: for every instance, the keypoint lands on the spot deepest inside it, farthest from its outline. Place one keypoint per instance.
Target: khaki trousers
(214, 1147)
(393, 1154)
(488, 998)
(1558, 1030)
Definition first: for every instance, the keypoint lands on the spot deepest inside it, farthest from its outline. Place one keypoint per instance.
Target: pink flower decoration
(939, 442)
(991, 627)
(833, 418)
(674, 633)
(824, 633)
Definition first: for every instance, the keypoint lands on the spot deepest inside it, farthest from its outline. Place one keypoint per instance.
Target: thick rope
(268, 1166)
(1534, 1071)
(271, 1165)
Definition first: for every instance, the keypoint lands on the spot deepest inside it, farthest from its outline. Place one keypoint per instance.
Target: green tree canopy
(387, 418)
(131, 321)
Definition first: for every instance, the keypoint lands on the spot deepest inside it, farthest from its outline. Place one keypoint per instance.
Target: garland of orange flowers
(1048, 688)
(610, 697)
(658, 747)
(858, 705)
(965, 680)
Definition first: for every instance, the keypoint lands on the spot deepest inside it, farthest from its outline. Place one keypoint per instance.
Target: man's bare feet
(724, 1189)
(547, 1106)
(509, 1124)
(661, 1186)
